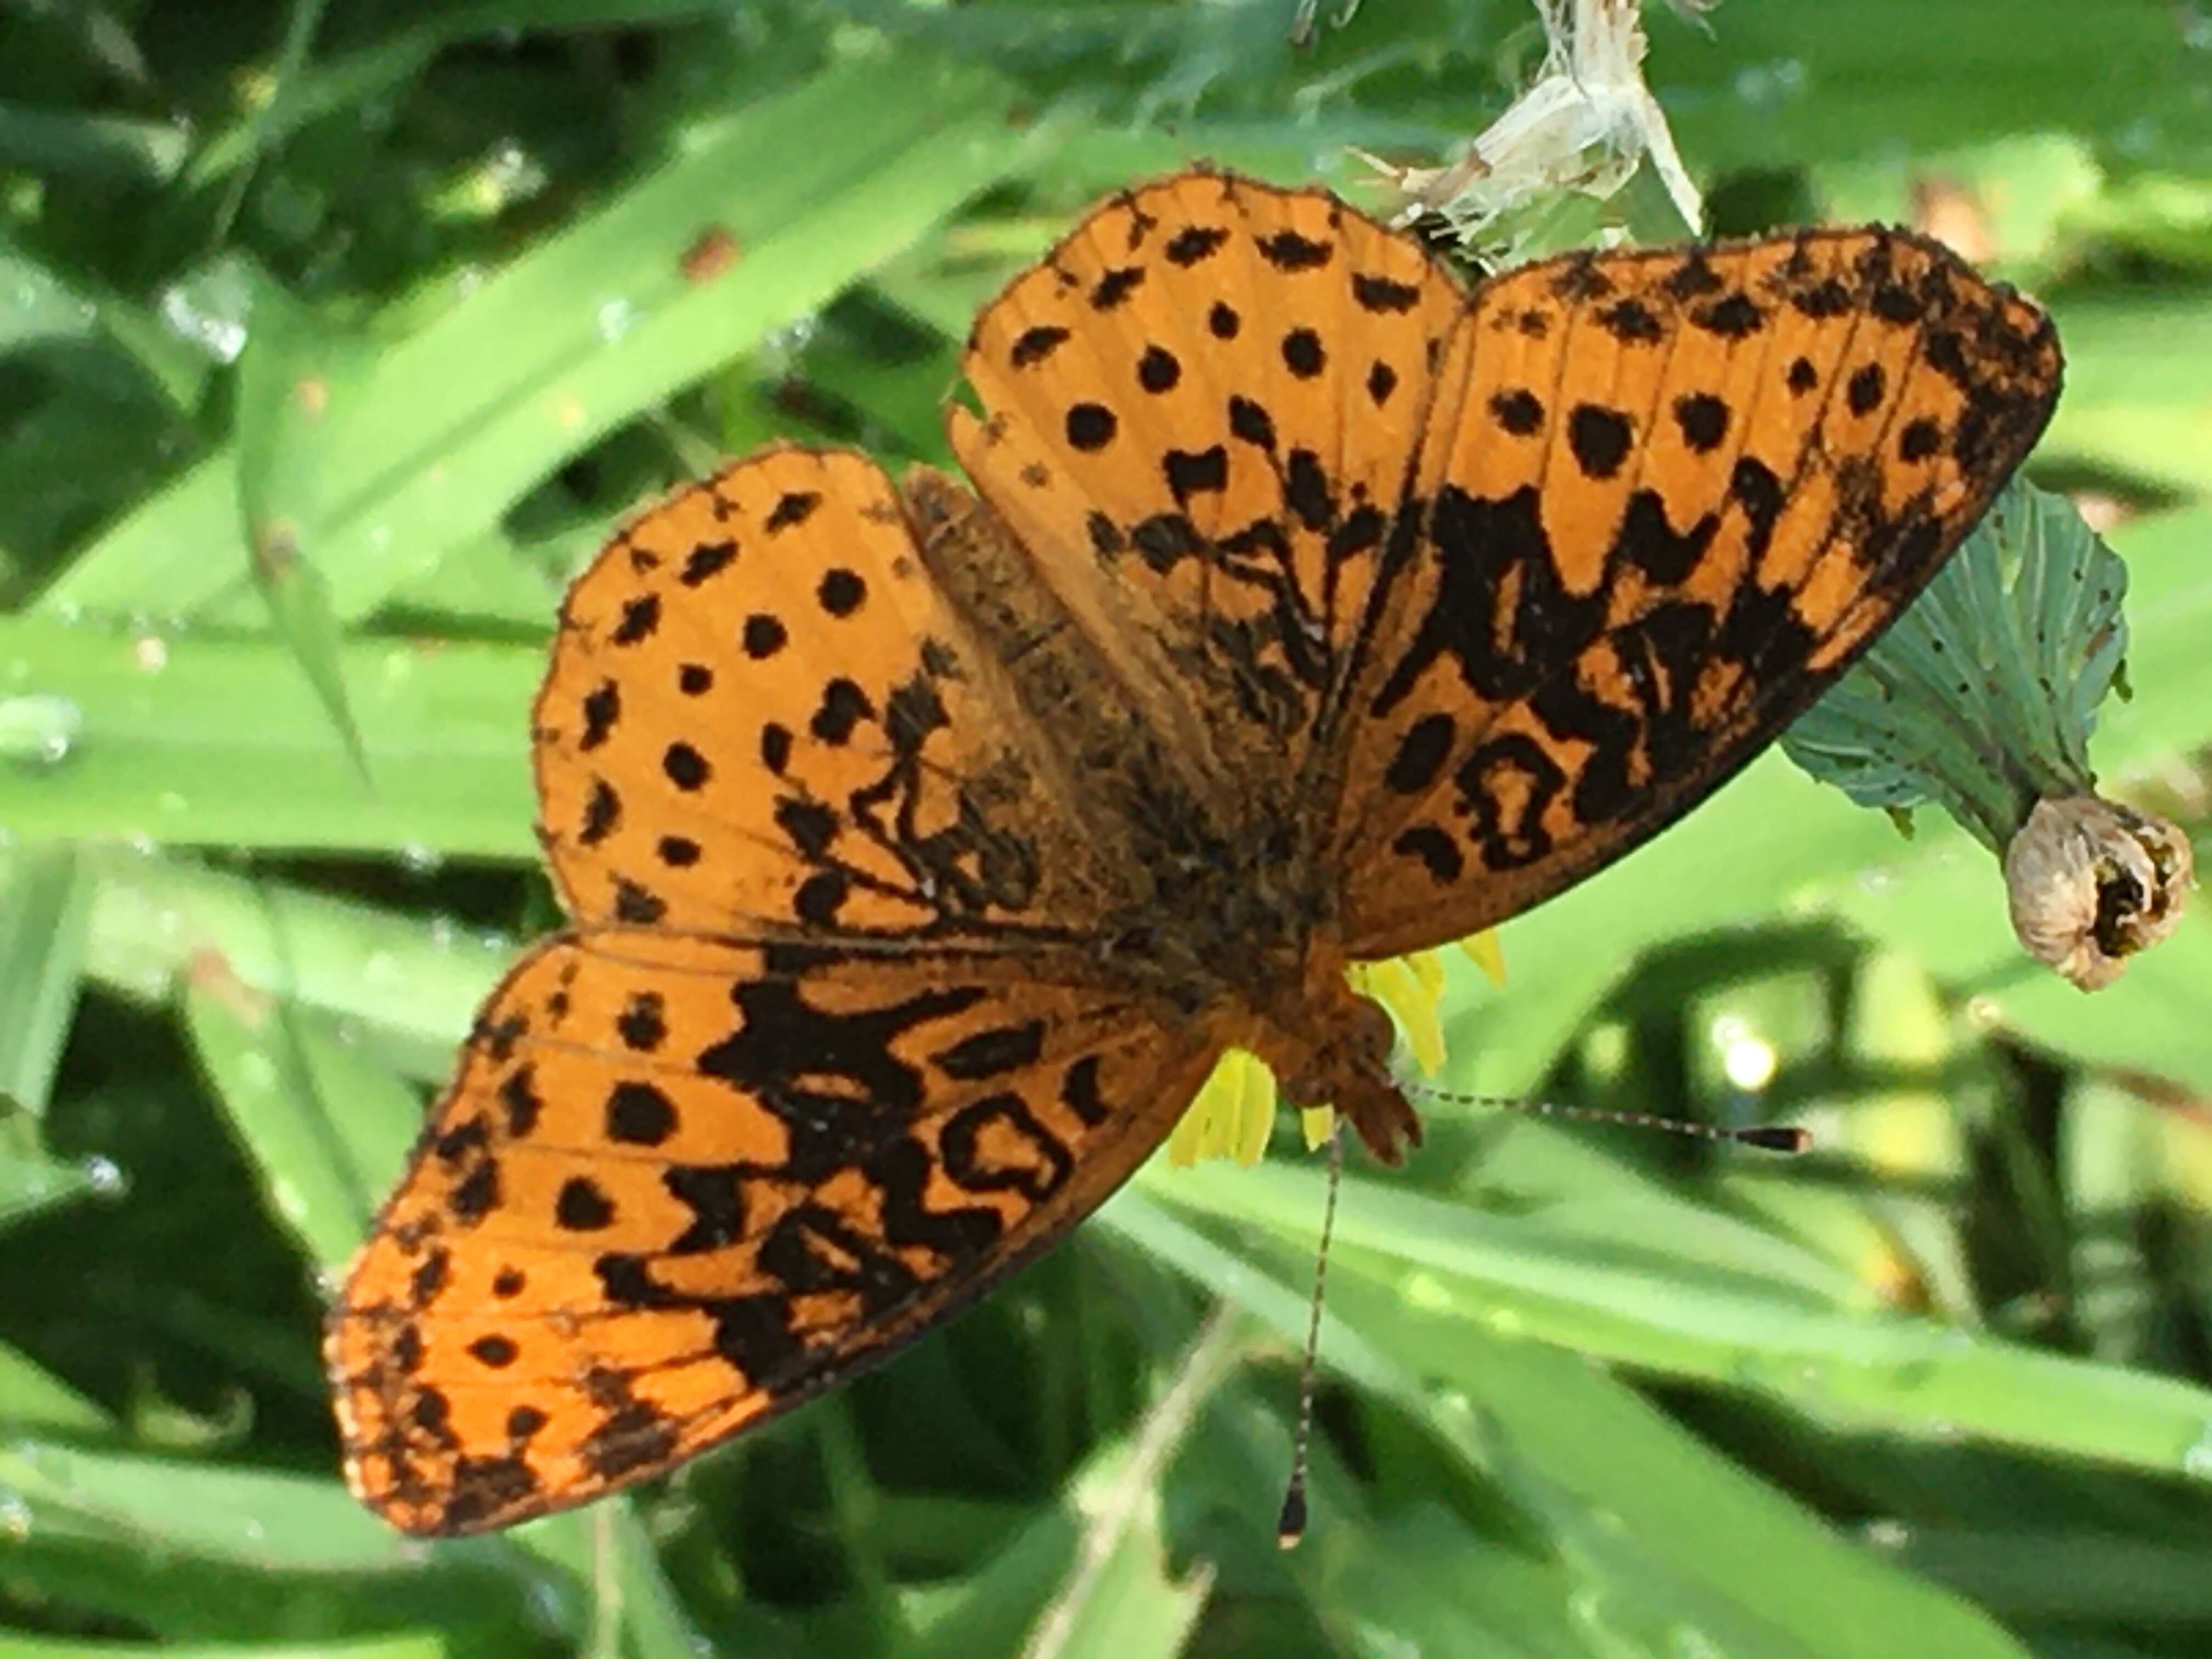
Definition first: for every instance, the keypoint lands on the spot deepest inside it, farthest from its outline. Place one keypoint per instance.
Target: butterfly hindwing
(1667, 496)
(679, 1185)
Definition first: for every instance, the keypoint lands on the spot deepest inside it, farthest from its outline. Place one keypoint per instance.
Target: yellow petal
(1484, 951)
(1256, 1106)
(1187, 1140)
(1428, 968)
(1401, 989)
(1182, 1140)
(1232, 1117)
(1317, 1122)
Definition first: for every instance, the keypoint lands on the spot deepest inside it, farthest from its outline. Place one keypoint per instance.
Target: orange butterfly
(926, 849)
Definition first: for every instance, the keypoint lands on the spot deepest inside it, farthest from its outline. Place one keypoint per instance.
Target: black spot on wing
(763, 636)
(1649, 543)
(602, 814)
(643, 1022)
(1704, 420)
(639, 1114)
(602, 708)
(1519, 411)
(582, 1206)
(1375, 292)
(1600, 438)
(993, 1053)
(1036, 343)
(793, 506)
(705, 560)
(1115, 287)
(637, 904)
(1090, 427)
(1288, 251)
(685, 767)
(1164, 539)
(1305, 489)
(842, 591)
(1694, 278)
(775, 747)
(1824, 299)
(1194, 243)
(1187, 473)
(640, 617)
(1251, 422)
(1435, 849)
(1734, 316)
(1581, 279)
(1631, 322)
(1303, 355)
(843, 706)
(1865, 389)
(1079, 1092)
(1421, 754)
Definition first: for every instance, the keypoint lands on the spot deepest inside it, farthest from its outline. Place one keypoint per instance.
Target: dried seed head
(2091, 883)
(1584, 123)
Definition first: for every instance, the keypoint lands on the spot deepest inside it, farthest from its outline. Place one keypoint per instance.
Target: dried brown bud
(2091, 883)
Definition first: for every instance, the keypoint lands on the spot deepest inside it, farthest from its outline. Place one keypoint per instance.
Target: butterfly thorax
(1224, 921)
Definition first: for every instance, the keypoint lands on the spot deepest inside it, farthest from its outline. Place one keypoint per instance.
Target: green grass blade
(1445, 1263)
(297, 388)
(34, 1401)
(46, 907)
(98, 149)
(199, 741)
(592, 327)
(404, 987)
(328, 1129)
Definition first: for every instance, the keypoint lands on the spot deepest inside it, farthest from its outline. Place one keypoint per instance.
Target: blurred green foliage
(1941, 1389)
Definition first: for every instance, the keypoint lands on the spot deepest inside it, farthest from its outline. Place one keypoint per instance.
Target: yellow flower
(1231, 1116)
(1235, 1112)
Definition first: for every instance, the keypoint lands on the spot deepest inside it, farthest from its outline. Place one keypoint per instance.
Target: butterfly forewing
(1667, 497)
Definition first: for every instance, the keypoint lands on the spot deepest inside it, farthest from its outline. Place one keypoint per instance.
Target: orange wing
(833, 1047)
(1667, 498)
(1201, 412)
(680, 1185)
(762, 713)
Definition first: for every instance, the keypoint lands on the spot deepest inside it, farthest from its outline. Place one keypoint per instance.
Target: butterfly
(925, 844)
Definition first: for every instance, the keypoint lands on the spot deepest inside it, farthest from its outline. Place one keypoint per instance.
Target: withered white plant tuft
(1584, 125)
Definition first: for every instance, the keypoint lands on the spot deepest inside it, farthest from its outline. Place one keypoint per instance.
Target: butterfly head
(1333, 1048)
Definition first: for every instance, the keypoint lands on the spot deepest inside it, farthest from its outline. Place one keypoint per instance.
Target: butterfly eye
(1373, 1037)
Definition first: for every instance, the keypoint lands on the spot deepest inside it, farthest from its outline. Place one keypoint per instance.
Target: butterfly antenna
(1291, 1525)
(1767, 1137)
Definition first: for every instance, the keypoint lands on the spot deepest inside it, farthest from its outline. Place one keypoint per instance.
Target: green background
(1939, 1388)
